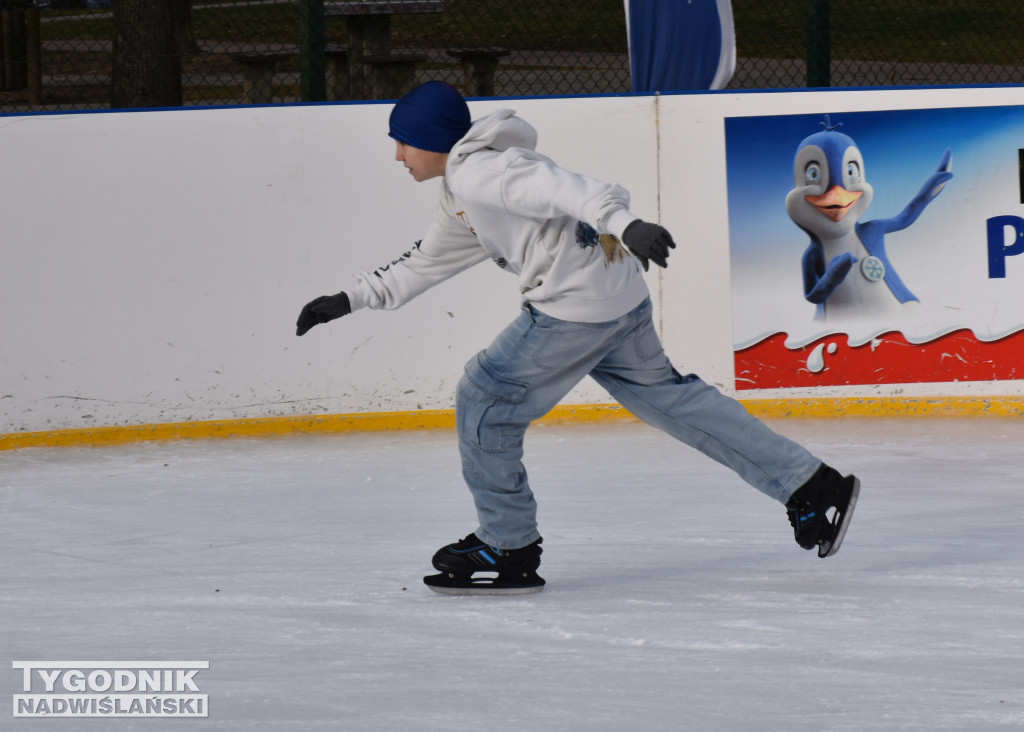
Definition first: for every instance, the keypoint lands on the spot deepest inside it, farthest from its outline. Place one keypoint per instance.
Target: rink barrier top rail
(790, 408)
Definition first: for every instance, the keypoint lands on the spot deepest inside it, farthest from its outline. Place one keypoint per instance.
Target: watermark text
(110, 689)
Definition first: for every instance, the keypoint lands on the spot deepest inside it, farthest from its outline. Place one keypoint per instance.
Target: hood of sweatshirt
(500, 130)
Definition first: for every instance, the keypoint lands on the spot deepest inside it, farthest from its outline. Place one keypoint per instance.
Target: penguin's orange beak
(835, 202)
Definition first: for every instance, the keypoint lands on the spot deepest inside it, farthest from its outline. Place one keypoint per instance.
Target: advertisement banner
(877, 247)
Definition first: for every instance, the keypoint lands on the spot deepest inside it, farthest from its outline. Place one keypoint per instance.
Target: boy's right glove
(648, 242)
(322, 310)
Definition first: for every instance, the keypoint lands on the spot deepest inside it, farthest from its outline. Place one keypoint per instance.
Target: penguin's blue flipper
(942, 176)
(820, 288)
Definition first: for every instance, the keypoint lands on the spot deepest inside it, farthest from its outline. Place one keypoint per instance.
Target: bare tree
(147, 54)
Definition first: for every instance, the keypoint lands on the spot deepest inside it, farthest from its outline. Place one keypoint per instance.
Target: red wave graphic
(887, 359)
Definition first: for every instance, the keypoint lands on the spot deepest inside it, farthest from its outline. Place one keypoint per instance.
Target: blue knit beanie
(433, 116)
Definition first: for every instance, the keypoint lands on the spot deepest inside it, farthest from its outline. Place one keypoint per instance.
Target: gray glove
(648, 242)
(322, 310)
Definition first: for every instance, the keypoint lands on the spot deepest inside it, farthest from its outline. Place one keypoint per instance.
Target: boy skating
(577, 252)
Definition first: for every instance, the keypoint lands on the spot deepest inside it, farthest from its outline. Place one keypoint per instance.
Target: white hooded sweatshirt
(557, 231)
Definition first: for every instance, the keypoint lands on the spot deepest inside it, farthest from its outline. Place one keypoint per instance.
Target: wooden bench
(393, 74)
(336, 73)
(478, 68)
(259, 64)
(258, 69)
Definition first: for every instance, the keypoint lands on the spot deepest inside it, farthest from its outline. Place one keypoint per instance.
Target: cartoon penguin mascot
(846, 271)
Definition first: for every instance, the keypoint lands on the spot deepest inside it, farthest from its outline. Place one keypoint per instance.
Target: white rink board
(155, 262)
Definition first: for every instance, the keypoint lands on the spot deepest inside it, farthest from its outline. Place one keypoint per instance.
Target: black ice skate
(508, 571)
(821, 509)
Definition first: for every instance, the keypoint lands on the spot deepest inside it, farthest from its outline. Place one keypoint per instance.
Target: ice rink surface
(676, 598)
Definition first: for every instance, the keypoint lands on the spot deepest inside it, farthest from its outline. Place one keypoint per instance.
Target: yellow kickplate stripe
(887, 407)
(445, 419)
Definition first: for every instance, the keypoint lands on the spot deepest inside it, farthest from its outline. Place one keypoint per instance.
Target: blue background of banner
(942, 256)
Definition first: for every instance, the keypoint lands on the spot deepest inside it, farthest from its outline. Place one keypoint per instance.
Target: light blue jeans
(538, 359)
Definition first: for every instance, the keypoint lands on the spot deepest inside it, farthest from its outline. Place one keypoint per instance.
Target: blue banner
(678, 45)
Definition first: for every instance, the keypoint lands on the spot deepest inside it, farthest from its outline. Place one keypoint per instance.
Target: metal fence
(818, 43)
(65, 54)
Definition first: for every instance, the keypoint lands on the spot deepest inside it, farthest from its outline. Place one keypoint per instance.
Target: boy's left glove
(322, 310)
(648, 242)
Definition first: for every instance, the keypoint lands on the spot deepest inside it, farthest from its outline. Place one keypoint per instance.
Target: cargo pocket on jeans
(486, 404)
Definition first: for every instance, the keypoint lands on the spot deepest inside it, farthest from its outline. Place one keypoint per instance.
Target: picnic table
(373, 68)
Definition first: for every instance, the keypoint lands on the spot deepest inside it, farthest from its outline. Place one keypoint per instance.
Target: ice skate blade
(446, 585)
(486, 590)
(827, 550)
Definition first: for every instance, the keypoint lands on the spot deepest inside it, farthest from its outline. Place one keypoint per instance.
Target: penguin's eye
(812, 174)
(853, 171)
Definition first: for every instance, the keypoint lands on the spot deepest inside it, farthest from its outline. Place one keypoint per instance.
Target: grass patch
(582, 25)
(948, 31)
(862, 30)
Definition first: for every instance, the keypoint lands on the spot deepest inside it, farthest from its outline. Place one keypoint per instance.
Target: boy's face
(422, 164)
